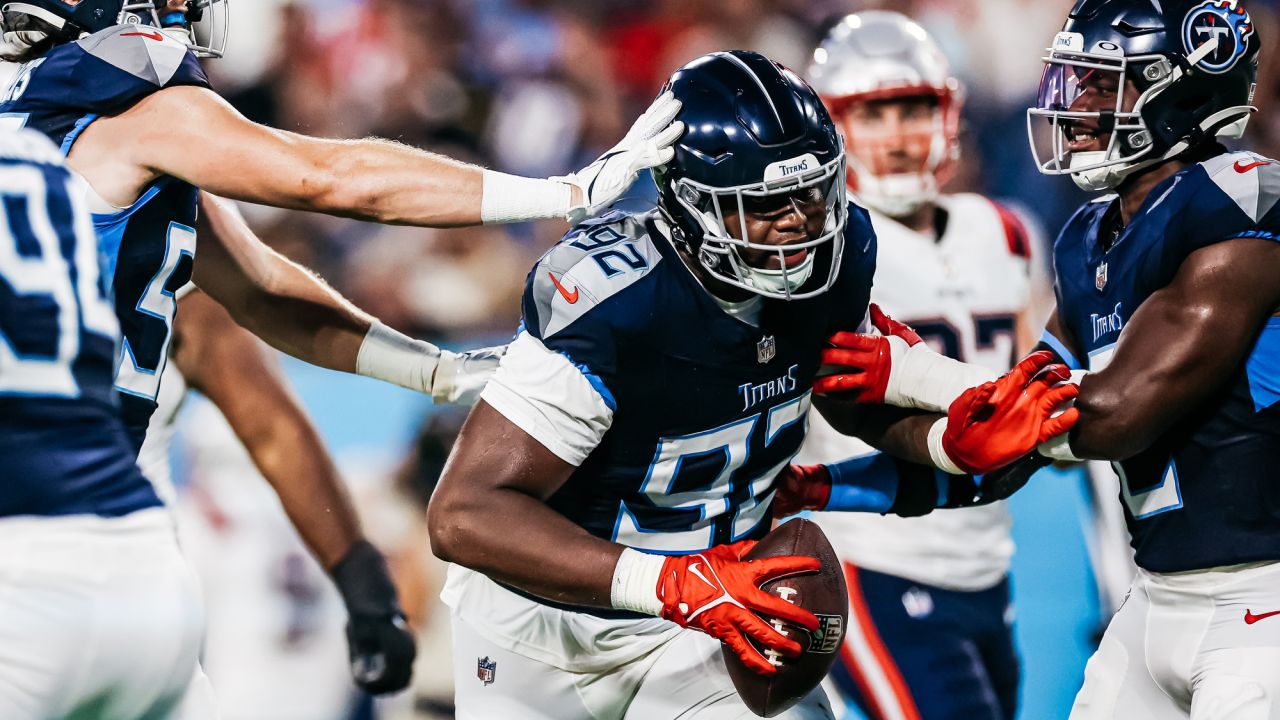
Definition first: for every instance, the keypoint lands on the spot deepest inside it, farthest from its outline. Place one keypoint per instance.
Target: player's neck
(923, 220)
(1134, 191)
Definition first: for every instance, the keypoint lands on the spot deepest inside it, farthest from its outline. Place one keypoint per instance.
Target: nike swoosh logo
(698, 574)
(1247, 167)
(1250, 618)
(153, 35)
(569, 297)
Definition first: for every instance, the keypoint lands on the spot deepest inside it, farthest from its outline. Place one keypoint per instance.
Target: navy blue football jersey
(148, 246)
(706, 407)
(64, 447)
(1205, 493)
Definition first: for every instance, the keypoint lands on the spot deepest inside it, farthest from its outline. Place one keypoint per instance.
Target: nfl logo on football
(766, 349)
(486, 669)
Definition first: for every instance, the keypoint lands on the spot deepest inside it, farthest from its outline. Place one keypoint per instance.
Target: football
(824, 594)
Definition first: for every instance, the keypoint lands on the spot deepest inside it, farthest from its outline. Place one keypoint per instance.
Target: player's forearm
(289, 453)
(391, 183)
(518, 540)
(900, 432)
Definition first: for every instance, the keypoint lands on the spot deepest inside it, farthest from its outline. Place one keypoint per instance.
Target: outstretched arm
(192, 134)
(232, 369)
(298, 313)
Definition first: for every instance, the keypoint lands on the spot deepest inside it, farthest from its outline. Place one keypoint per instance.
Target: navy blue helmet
(1182, 73)
(203, 26)
(755, 133)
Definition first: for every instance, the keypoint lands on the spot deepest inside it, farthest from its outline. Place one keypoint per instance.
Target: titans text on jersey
(706, 408)
(1204, 495)
(148, 247)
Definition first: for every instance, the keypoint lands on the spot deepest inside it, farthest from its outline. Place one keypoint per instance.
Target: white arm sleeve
(547, 396)
(923, 379)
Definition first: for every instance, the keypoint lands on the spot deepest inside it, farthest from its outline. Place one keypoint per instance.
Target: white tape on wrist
(1058, 448)
(923, 379)
(938, 453)
(635, 582)
(397, 358)
(511, 198)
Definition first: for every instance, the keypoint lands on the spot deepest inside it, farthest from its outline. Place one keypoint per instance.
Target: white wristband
(511, 198)
(635, 582)
(923, 379)
(1058, 448)
(397, 358)
(939, 454)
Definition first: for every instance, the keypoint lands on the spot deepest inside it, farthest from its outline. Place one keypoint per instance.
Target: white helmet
(879, 55)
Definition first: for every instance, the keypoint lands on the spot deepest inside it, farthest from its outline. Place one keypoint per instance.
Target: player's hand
(379, 642)
(862, 364)
(460, 377)
(717, 592)
(646, 145)
(800, 488)
(995, 423)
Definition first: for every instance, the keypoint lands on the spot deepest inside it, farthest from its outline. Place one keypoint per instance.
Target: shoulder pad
(1250, 180)
(593, 262)
(145, 53)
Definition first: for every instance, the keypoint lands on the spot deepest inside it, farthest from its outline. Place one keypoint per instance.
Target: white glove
(460, 377)
(647, 144)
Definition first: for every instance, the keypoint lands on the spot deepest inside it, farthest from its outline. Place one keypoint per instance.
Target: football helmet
(203, 26)
(1182, 72)
(880, 55)
(755, 134)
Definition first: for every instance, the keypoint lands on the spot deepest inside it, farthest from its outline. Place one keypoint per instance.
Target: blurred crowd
(539, 87)
(535, 87)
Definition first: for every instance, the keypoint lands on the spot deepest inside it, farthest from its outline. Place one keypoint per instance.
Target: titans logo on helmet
(1225, 21)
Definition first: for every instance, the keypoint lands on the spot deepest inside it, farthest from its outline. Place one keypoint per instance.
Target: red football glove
(866, 359)
(993, 424)
(715, 591)
(801, 487)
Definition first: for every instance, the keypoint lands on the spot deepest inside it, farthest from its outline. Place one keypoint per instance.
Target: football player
(117, 85)
(1167, 291)
(230, 367)
(930, 595)
(603, 492)
(100, 616)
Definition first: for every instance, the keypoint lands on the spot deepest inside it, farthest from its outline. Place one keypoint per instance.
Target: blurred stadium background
(539, 87)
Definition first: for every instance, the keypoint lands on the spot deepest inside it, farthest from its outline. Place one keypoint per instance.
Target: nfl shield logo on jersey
(1100, 277)
(486, 669)
(766, 349)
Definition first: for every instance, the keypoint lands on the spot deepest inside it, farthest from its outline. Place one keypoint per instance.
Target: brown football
(822, 593)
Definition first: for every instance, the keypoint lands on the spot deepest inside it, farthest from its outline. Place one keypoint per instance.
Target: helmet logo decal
(1223, 23)
(792, 166)
(1069, 41)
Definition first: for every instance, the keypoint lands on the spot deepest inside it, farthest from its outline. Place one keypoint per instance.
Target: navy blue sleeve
(109, 71)
(563, 312)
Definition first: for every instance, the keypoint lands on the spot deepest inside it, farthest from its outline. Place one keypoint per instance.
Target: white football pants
(99, 617)
(1202, 645)
(682, 678)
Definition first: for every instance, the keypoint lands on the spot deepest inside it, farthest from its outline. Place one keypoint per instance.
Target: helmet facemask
(203, 27)
(801, 182)
(1070, 73)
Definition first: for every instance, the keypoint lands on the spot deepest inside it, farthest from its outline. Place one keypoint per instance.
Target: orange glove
(993, 424)
(801, 487)
(717, 592)
(865, 361)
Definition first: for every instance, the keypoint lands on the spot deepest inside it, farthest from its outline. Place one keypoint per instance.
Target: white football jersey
(962, 292)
